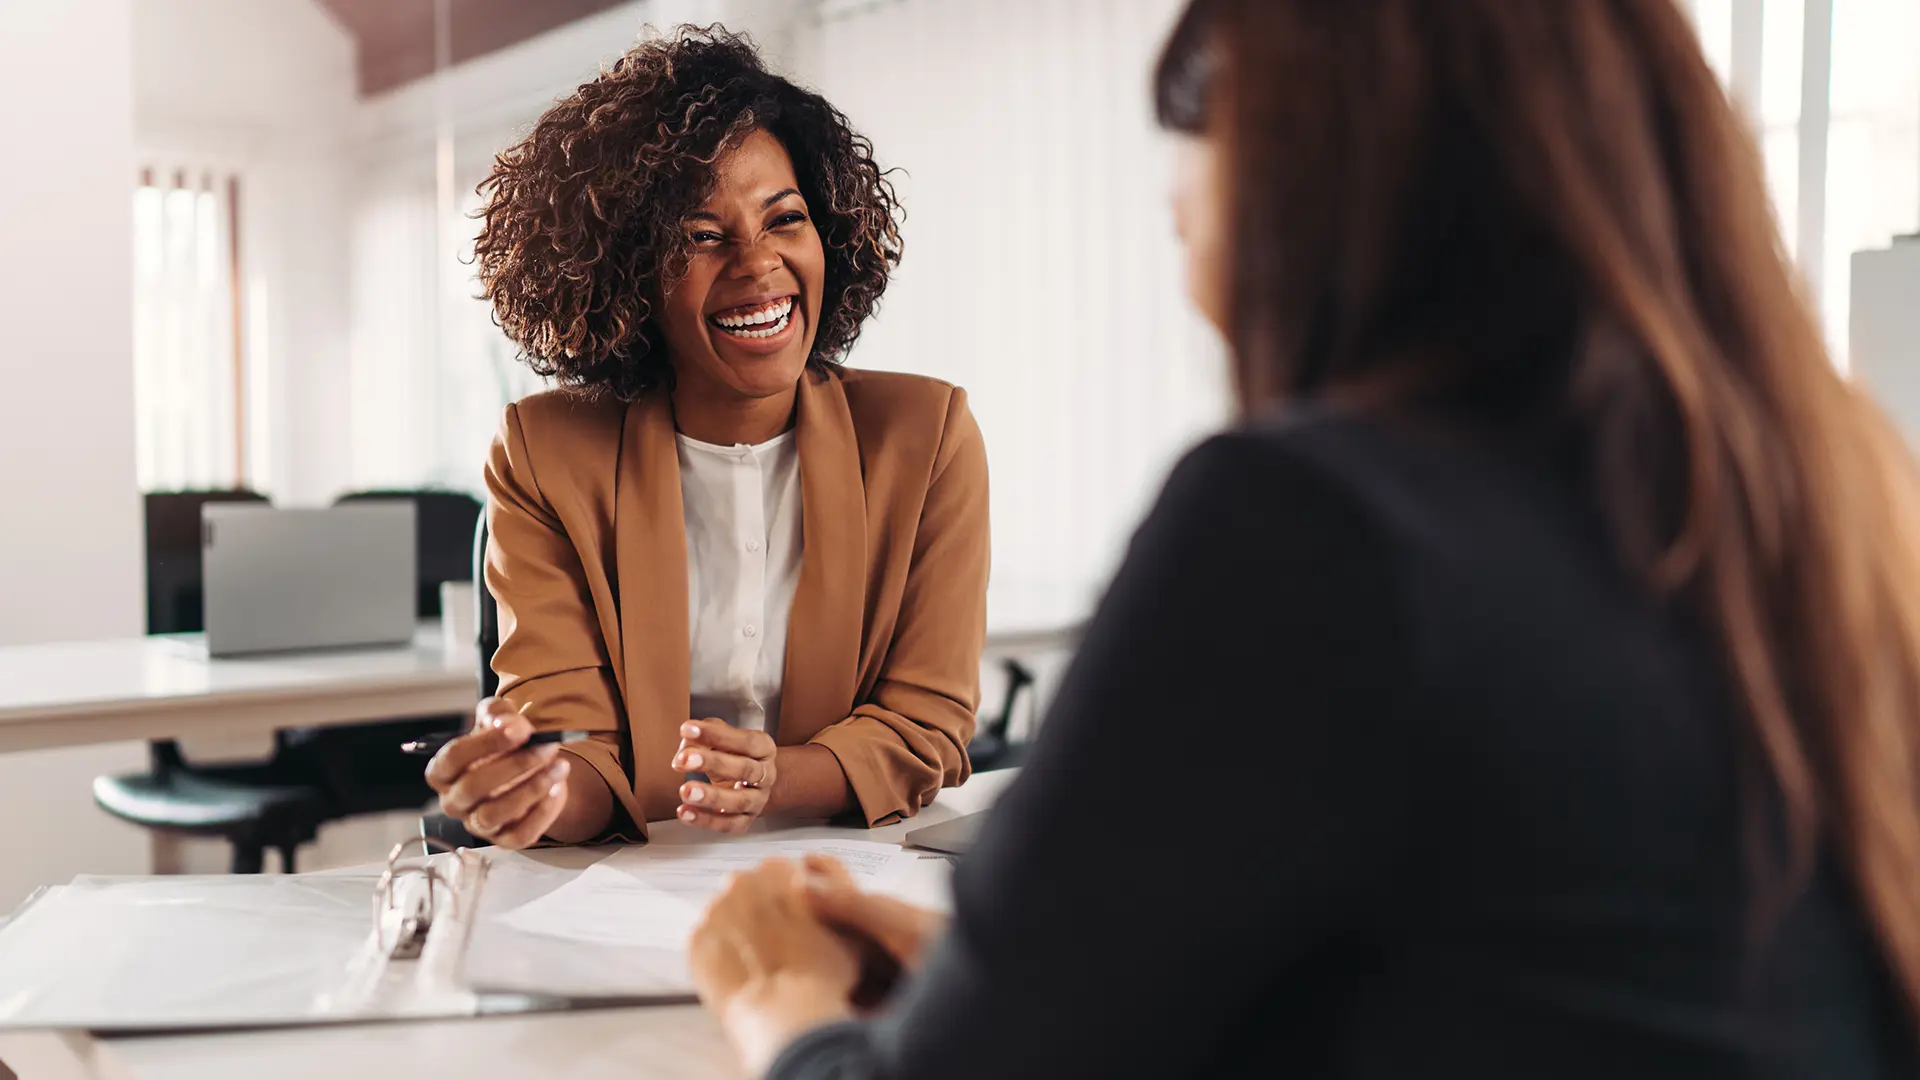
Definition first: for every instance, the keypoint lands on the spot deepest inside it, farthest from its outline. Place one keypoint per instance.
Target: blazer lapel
(823, 634)
(651, 535)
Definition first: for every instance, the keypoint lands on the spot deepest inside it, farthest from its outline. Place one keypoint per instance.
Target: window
(1839, 79)
(188, 375)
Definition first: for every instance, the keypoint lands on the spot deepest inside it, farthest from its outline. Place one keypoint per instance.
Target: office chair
(435, 825)
(993, 746)
(252, 806)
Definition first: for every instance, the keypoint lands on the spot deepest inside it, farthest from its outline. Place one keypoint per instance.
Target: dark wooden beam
(396, 37)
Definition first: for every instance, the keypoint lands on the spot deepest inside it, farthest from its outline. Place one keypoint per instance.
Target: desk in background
(146, 688)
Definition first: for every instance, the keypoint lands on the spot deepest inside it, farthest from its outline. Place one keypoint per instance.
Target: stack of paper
(621, 926)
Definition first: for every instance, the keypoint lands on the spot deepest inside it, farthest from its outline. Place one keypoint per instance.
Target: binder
(198, 954)
(434, 934)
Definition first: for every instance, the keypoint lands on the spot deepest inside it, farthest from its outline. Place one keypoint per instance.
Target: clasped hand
(787, 947)
(740, 768)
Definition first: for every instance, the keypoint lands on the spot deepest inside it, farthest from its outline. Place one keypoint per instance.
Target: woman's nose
(756, 259)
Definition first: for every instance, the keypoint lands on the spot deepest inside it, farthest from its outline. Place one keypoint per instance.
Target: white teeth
(779, 309)
(767, 333)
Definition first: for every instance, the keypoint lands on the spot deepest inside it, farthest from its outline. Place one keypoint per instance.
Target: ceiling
(396, 37)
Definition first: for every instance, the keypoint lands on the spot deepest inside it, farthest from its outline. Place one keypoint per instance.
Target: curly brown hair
(583, 232)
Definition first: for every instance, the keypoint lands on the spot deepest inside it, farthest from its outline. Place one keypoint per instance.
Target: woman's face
(742, 321)
(1199, 213)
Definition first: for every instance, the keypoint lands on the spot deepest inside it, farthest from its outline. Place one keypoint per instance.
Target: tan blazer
(588, 562)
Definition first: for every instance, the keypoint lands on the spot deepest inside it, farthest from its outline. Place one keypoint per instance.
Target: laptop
(290, 580)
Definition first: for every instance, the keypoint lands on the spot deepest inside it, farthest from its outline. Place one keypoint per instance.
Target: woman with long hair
(1561, 597)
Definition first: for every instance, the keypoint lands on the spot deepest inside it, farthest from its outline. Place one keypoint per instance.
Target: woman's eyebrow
(708, 215)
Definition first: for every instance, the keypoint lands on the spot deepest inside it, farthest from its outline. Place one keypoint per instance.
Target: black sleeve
(1217, 794)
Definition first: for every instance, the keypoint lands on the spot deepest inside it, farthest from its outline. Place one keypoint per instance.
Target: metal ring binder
(409, 935)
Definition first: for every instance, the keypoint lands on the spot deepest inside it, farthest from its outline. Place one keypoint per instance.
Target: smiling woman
(759, 577)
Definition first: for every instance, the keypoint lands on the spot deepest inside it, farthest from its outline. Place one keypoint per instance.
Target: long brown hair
(1544, 215)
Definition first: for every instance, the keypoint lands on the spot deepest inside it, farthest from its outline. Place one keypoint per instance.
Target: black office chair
(993, 746)
(253, 806)
(435, 825)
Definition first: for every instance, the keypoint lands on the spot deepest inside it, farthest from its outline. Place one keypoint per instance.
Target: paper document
(651, 897)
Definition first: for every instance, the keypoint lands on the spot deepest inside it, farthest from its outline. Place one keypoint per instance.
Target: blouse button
(748, 630)
(753, 545)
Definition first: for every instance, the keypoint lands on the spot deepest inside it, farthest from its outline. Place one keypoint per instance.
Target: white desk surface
(144, 688)
(614, 1044)
(157, 688)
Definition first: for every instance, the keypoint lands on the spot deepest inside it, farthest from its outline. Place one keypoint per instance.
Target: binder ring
(410, 933)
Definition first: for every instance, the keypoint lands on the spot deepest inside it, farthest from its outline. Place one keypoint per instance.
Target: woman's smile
(762, 326)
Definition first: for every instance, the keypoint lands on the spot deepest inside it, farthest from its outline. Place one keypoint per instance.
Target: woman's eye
(707, 238)
(790, 218)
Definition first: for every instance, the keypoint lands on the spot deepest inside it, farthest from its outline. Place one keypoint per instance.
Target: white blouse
(742, 505)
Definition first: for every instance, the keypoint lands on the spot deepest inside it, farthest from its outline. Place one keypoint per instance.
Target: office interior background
(235, 235)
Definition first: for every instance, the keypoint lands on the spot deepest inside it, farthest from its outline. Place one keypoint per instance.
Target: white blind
(431, 373)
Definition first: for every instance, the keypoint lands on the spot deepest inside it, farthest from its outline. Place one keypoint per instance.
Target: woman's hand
(740, 766)
(498, 788)
(899, 930)
(766, 967)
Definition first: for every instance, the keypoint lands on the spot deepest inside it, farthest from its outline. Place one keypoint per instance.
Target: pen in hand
(431, 744)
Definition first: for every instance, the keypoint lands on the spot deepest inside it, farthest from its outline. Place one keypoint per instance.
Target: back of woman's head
(1543, 217)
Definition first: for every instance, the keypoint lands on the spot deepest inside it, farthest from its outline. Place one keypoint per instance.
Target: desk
(615, 1044)
(145, 688)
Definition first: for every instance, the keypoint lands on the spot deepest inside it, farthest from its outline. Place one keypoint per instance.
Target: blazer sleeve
(1253, 652)
(552, 660)
(909, 738)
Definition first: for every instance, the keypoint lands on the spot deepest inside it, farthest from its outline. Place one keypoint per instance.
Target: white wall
(70, 542)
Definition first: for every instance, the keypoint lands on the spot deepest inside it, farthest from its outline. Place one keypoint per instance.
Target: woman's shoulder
(564, 437)
(883, 396)
(907, 414)
(567, 410)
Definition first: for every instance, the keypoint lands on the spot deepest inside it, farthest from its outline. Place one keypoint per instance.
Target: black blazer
(1373, 764)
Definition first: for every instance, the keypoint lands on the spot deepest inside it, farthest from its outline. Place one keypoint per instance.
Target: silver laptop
(285, 580)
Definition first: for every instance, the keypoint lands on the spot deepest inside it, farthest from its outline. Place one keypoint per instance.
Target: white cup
(459, 623)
